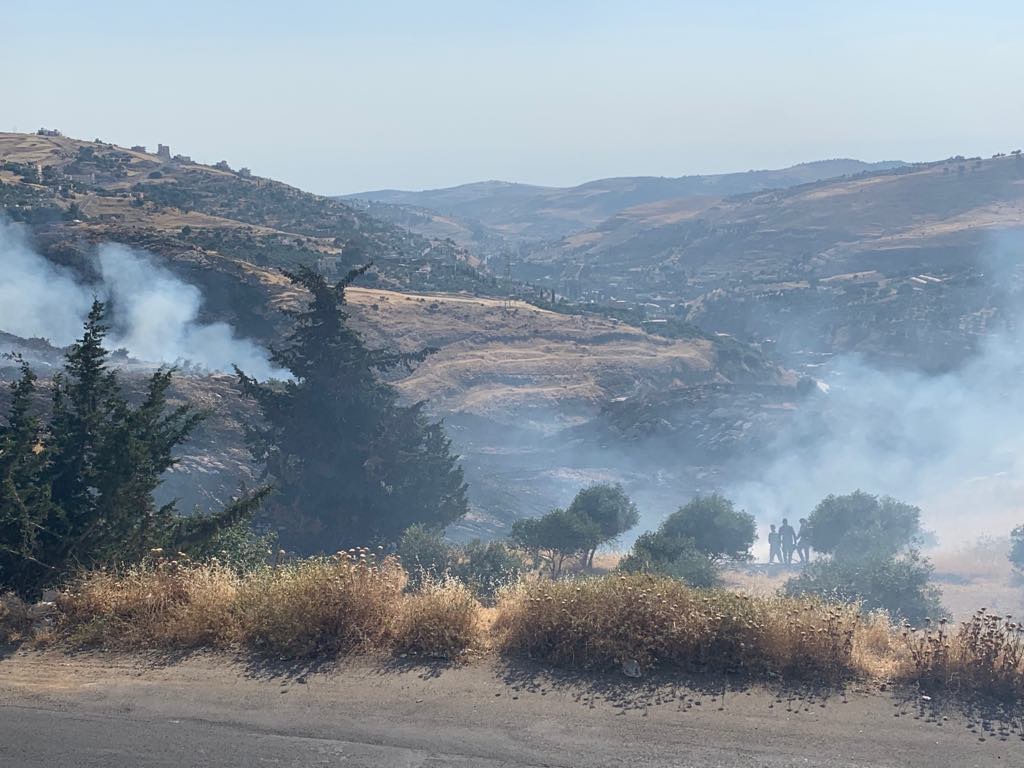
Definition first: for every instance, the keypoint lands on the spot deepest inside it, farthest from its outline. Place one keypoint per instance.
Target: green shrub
(662, 555)
(487, 567)
(425, 555)
(898, 585)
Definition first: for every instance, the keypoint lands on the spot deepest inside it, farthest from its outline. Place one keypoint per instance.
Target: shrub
(321, 605)
(715, 526)
(678, 558)
(984, 655)
(604, 622)
(425, 555)
(1017, 548)
(898, 585)
(487, 568)
(14, 621)
(441, 620)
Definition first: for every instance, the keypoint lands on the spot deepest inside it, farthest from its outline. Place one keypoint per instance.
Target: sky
(339, 97)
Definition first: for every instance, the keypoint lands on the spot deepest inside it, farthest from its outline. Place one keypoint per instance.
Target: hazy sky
(340, 96)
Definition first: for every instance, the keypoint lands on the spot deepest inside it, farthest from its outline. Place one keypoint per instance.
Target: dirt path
(124, 712)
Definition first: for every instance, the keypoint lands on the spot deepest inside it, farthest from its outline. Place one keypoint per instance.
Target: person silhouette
(774, 545)
(788, 537)
(803, 541)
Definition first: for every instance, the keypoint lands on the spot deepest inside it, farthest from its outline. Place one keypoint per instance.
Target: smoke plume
(154, 315)
(951, 443)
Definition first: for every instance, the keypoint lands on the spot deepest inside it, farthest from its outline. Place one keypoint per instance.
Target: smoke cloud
(154, 314)
(952, 443)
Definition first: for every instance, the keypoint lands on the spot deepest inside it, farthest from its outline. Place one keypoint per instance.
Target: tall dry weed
(984, 655)
(321, 605)
(163, 605)
(441, 620)
(604, 622)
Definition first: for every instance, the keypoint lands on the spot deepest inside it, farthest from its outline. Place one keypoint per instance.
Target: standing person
(803, 541)
(774, 545)
(788, 536)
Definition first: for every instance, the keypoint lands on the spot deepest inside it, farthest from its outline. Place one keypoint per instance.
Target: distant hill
(526, 212)
(847, 254)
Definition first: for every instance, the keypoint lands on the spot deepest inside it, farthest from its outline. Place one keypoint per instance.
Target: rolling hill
(519, 385)
(486, 212)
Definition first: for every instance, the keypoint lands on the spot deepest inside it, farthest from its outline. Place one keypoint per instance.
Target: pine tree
(79, 492)
(350, 464)
(25, 505)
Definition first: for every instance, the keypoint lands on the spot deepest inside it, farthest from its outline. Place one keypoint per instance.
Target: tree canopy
(350, 464)
(715, 526)
(860, 523)
(558, 535)
(77, 490)
(609, 508)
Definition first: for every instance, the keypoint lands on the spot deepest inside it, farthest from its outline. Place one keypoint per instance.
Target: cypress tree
(350, 464)
(79, 492)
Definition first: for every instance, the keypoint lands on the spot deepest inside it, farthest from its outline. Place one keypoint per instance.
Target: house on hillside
(164, 151)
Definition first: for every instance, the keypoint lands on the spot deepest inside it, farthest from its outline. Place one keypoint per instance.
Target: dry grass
(605, 622)
(442, 619)
(331, 605)
(167, 605)
(320, 606)
(984, 655)
(14, 621)
(353, 603)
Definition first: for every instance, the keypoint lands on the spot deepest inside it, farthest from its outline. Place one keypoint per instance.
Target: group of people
(782, 543)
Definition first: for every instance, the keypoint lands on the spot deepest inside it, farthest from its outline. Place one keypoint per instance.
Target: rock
(631, 668)
(41, 610)
(50, 595)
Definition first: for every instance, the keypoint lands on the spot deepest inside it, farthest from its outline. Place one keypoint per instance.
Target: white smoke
(951, 443)
(154, 314)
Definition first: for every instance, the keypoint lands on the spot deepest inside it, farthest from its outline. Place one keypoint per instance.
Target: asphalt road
(123, 712)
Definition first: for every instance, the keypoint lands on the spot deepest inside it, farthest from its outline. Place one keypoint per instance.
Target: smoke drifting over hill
(153, 314)
(951, 443)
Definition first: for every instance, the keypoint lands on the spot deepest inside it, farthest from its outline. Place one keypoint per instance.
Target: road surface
(58, 711)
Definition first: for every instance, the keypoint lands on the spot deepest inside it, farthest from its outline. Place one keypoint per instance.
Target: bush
(1017, 548)
(487, 568)
(898, 585)
(321, 605)
(604, 622)
(715, 526)
(983, 656)
(678, 558)
(425, 555)
(441, 620)
(14, 621)
(859, 523)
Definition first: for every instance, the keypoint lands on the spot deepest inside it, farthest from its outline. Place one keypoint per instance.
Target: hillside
(856, 258)
(486, 212)
(96, 191)
(523, 389)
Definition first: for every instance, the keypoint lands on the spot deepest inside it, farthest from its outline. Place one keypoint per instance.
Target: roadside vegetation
(346, 462)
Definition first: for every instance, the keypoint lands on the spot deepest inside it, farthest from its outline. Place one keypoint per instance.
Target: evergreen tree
(25, 505)
(350, 464)
(79, 492)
